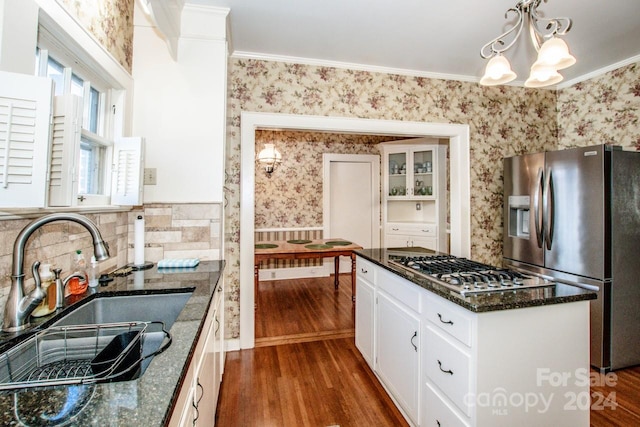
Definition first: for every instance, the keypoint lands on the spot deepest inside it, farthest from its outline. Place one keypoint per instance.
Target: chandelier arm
(553, 26)
(493, 47)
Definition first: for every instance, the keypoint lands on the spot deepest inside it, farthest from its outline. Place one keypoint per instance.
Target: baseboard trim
(232, 344)
(269, 274)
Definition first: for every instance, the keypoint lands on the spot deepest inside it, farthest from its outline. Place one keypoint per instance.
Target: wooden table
(306, 249)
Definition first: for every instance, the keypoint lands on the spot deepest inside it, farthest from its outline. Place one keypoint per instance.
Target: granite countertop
(557, 293)
(146, 401)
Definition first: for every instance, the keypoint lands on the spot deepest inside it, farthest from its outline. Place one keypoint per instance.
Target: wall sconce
(269, 158)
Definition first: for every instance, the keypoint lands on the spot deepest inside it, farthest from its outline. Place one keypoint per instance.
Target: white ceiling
(433, 38)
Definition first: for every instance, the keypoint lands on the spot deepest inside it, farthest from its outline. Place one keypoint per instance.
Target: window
(92, 161)
(67, 151)
(92, 166)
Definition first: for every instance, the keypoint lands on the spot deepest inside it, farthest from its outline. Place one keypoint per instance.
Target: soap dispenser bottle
(48, 304)
(77, 286)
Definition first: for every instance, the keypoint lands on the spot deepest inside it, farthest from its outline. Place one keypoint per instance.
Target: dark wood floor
(303, 309)
(306, 371)
(615, 398)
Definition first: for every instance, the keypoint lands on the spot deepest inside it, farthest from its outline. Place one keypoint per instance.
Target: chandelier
(553, 52)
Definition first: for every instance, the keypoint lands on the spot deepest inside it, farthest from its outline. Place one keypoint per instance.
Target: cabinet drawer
(438, 412)
(366, 270)
(425, 230)
(448, 367)
(450, 318)
(401, 289)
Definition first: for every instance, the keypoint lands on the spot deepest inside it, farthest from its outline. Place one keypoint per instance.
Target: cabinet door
(398, 353)
(424, 242)
(398, 169)
(186, 416)
(364, 319)
(219, 337)
(395, 241)
(205, 394)
(424, 183)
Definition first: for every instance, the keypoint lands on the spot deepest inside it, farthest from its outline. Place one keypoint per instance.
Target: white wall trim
(273, 230)
(417, 73)
(599, 72)
(232, 345)
(352, 66)
(457, 134)
(271, 274)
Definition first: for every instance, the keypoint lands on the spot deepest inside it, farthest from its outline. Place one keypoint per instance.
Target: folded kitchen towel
(178, 262)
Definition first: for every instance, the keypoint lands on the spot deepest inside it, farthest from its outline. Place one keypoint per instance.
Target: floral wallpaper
(603, 110)
(292, 196)
(110, 22)
(503, 121)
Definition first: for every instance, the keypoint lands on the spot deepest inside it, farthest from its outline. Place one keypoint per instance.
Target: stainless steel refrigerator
(574, 216)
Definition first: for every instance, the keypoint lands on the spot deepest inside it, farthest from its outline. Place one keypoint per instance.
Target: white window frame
(103, 127)
(99, 72)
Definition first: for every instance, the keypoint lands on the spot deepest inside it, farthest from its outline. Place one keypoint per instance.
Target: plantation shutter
(65, 143)
(128, 164)
(25, 114)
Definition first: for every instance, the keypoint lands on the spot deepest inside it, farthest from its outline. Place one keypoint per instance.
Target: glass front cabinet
(410, 174)
(414, 194)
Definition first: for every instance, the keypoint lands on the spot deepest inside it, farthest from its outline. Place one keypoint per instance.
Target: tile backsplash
(171, 231)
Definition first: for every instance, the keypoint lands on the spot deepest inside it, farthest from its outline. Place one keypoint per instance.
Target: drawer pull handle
(448, 371)
(364, 271)
(448, 322)
(415, 334)
(395, 229)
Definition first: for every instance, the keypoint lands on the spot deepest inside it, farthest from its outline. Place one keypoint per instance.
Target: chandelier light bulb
(542, 76)
(498, 72)
(555, 52)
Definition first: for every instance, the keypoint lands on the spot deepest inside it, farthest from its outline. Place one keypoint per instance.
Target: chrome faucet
(19, 307)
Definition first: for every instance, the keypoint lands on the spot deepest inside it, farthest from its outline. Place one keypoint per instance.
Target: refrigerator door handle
(536, 206)
(548, 207)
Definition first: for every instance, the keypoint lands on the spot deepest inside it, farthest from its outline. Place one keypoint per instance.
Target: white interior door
(351, 199)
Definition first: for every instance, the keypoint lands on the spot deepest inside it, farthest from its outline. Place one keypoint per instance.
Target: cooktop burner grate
(465, 276)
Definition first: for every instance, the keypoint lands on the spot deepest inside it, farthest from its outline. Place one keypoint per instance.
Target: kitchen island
(500, 358)
(147, 401)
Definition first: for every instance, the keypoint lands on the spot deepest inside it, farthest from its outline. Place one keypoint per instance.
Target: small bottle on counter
(48, 304)
(78, 286)
(94, 272)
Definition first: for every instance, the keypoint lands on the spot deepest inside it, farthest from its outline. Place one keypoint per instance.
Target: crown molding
(350, 66)
(599, 72)
(415, 73)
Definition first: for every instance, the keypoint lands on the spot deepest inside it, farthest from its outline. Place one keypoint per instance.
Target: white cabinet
(415, 193)
(388, 333)
(398, 235)
(409, 172)
(196, 403)
(364, 318)
(398, 353)
(444, 365)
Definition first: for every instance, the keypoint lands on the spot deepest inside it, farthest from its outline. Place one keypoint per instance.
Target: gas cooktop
(465, 276)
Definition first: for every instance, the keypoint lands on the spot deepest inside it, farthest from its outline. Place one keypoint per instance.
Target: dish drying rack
(78, 354)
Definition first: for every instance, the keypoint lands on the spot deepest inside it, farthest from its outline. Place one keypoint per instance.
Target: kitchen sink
(163, 307)
(109, 338)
